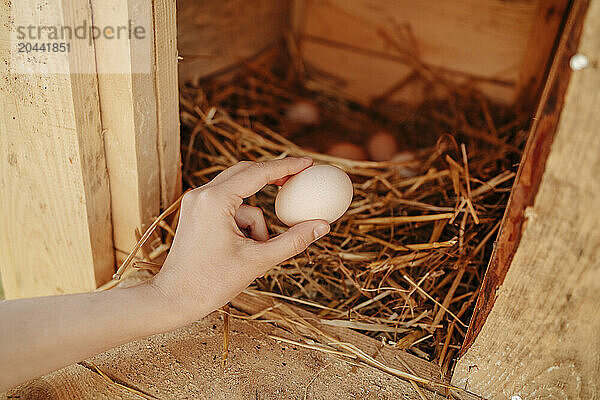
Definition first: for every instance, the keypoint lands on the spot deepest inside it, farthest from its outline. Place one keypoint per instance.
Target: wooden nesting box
(88, 158)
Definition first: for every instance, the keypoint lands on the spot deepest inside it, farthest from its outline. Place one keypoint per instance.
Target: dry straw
(404, 264)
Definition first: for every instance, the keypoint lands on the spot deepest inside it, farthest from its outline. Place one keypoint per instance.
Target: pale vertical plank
(139, 108)
(55, 230)
(167, 98)
(129, 118)
(541, 339)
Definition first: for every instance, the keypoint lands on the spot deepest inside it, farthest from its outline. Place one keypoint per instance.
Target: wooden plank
(167, 99)
(538, 54)
(139, 103)
(129, 118)
(384, 74)
(217, 34)
(485, 40)
(530, 173)
(187, 364)
(541, 338)
(75, 382)
(254, 304)
(298, 16)
(55, 215)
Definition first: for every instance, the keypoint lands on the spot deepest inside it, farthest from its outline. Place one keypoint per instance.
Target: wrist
(177, 306)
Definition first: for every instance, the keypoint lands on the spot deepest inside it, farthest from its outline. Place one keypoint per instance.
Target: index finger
(250, 180)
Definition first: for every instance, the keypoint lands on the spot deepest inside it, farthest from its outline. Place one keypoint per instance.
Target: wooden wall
(55, 228)
(217, 34)
(368, 46)
(541, 338)
(89, 143)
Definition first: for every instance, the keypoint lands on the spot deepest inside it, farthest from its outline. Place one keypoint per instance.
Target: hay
(405, 263)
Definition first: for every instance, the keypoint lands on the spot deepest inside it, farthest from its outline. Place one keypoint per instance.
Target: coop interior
(427, 106)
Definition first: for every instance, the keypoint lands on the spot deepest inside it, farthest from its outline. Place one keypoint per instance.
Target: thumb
(290, 243)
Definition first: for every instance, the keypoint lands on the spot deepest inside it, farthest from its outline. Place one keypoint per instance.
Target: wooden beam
(54, 192)
(541, 338)
(167, 99)
(139, 103)
(482, 41)
(215, 35)
(129, 109)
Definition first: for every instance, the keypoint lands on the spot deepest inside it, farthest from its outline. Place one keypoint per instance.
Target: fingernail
(308, 159)
(321, 230)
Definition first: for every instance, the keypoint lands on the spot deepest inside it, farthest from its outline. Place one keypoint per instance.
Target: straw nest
(404, 264)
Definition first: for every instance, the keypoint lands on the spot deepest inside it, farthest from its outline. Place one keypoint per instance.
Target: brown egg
(409, 166)
(347, 150)
(382, 146)
(303, 112)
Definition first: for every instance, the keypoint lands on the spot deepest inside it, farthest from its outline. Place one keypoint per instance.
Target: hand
(211, 260)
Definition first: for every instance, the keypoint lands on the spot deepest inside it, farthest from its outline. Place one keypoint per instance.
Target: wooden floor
(187, 364)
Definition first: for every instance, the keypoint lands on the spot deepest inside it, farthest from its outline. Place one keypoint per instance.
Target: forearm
(210, 261)
(44, 334)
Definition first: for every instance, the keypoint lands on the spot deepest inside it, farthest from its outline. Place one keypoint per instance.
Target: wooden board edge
(167, 99)
(530, 171)
(95, 180)
(541, 338)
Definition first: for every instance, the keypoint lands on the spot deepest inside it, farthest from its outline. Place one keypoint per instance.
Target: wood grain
(75, 382)
(167, 99)
(535, 62)
(54, 193)
(186, 363)
(253, 304)
(383, 72)
(484, 40)
(541, 338)
(129, 112)
(217, 34)
(530, 172)
(140, 112)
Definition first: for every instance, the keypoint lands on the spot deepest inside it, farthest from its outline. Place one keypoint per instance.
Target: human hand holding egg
(211, 259)
(320, 192)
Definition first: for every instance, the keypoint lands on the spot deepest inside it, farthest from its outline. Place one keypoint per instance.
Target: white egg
(318, 192)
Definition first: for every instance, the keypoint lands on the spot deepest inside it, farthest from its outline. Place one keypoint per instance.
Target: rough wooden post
(81, 130)
(55, 230)
(139, 107)
(541, 339)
